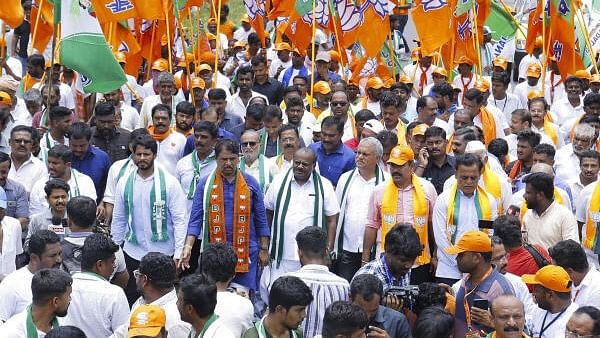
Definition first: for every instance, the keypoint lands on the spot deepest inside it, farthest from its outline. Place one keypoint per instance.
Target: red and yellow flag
(11, 12)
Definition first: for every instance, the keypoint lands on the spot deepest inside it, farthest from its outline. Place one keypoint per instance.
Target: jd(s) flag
(84, 49)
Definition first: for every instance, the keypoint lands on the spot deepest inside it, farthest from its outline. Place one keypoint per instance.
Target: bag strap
(540, 260)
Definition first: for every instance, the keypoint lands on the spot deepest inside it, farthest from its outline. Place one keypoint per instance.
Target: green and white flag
(463, 6)
(84, 49)
(584, 51)
(504, 30)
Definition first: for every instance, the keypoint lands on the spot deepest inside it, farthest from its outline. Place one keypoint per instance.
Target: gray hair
(33, 95)
(371, 141)
(165, 77)
(585, 130)
(542, 168)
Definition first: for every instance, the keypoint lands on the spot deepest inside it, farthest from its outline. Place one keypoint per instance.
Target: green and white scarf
(76, 192)
(339, 235)
(32, 331)
(124, 168)
(264, 175)
(264, 140)
(281, 208)
(262, 331)
(208, 323)
(198, 166)
(158, 204)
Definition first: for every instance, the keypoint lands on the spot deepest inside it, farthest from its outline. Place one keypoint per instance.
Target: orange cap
(5, 98)
(207, 57)
(178, 82)
(401, 154)
(405, 79)
(464, 60)
(501, 62)
(164, 40)
(197, 83)
(440, 71)
(283, 46)
(388, 81)
(245, 18)
(203, 67)
(121, 57)
(322, 87)
(551, 277)
(595, 78)
(583, 74)
(419, 129)
(146, 320)
(160, 64)
(538, 42)
(212, 20)
(189, 58)
(335, 56)
(534, 94)
(482, 85)
(471, 241)
(2, 41)
(534, 70)
(375, 82)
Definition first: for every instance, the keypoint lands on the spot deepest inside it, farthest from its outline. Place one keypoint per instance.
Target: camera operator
(392, 267)
(81, 213)
(366, 291)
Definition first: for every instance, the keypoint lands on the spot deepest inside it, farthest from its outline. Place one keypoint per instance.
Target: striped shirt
(379, 269)
(327, 288)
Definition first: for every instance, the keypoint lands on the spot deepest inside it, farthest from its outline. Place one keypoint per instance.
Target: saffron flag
(11, 12)
(42, 29)
(562, 37)
(256, 13)
(345, 20)
(114, 10)
(426, 12)
(299, 30)
(375, 27)
(534, 26)
(84, 49)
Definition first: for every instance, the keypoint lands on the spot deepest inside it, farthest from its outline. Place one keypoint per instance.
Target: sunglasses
(249, 144)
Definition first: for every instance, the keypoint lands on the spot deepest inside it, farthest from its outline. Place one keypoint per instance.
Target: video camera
(406, 294)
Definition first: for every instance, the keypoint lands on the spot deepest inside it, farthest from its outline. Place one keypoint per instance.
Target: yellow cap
(534, 94)
(388, 81)
(405, 79)
(146, 320)
(189, 58)
(471, 241)
(5, 98)
(245, 18)
(164, 40)
(121, 57)
(322, 87)
(440, 71)
(210, 36)
(204, 67)
(239, 44)
(375, 82)
(283, 46)
(419, 129)
(207, 57)
(583, 74)
(160, 64)
(482, 85)
(501, 62)
(464, 60)
(335, 56)
(534, 70)
(538, 42)
(551, 277)
(198, 83)
(595, 78)
(401, 154)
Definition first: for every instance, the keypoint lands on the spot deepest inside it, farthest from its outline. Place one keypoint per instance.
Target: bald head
(542, 168)
(504, 301)
(508, 316)
(250, 133)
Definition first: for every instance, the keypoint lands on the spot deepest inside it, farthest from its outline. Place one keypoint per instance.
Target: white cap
(374, 126)
(323, 56)
(475, 147)
(316, 128)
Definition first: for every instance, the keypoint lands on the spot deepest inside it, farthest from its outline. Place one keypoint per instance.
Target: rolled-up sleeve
(374, 211)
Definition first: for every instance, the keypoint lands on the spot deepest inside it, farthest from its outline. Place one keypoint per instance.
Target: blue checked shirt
(380, 269)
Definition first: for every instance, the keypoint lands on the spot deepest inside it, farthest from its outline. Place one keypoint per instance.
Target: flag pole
(217, 45)
(312, 51)
(3, 47)
(337, 39)
(35, 29)
(191, 29)
(588, 42)
(545, 63)
(473, 18)
(512, 17)
(49, 77)
(187, 64)
(393, 56)
(152, 36)
(165, 10)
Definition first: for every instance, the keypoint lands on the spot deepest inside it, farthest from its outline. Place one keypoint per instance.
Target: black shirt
(117, 146)
(272, 89)
(22, 33)
(438, 175)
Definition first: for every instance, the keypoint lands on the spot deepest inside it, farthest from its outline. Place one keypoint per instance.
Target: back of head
(367, 286)
(200, 293)
(402, 240)
(81, 211)
(96, 247)
(434, 322)
(218, 262)
(312, 242)
(343, 318)
(49, 283)
(288, 291)
(66, 332)
(430, 294)
(160, 270)
(508, 228)
(569, 254)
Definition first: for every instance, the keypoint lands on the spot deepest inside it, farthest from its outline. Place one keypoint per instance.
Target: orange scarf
(516, 170)
(156, 136)
(217, 229)
(465, 86)
(423, 79)
(28, 82)
(489, 125)
(449, 145)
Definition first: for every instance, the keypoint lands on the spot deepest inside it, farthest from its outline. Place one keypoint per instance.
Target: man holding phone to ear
(479, 287)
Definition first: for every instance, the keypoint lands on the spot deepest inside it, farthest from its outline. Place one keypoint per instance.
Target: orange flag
(426, 12)
(280, 8)
(114, 10)
(44, 31)
(299, 32)
(562, 37)
(534, 27)
(11, 12)
(256, 13)
(375, 28)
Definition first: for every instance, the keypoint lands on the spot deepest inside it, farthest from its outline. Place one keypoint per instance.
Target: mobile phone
(481, 303)
(485, 224)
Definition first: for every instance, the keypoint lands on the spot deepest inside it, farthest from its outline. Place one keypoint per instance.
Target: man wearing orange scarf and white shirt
(421, 72)
(405, 198)
(490, 123)
(171, 144)
(466, 79)
(166, 95)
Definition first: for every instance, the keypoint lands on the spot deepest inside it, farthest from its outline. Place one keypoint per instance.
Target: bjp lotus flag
(113, 10)
(11, 12)
(534, 26)
(255, 14)
(375, 27)
(152, 9)
(345, 21)
(426, 12)
(562, 37)
(299, 31)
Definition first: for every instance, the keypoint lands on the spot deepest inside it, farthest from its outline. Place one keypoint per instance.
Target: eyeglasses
(338, 104)
(571, 334)
(249, 144)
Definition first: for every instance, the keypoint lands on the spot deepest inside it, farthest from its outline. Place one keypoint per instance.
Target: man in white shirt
(567, 157)
(534, 72)
(252, 161)
(530, 59)
(10, 234)
(166, 95)
(283, 60)
(588, 214)
(295, 200)
(552, 291)
(571, 256)
(466, 79)
(289, 141)
(196, 303)
(570, 106)
(51, 289)
(298, 117)
(24, 168)
(421, 73)
(60, 119)
(150, 211)
(97, 307)
(171, 144)
(15, 289)
(448, 224)
(130, 118)
(589, 166)
(218, 264)
(155, 277)
(241, 34)
(238, 102)
(59, 166)
(554, 86)
(353, 192)
(501, 98)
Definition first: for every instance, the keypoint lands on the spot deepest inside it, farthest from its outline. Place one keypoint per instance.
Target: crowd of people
(259, 200)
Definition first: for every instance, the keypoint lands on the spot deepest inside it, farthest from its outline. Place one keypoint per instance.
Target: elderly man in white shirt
(25, 168)
(567, 157)
(59, 166)
(295, 200)
(167, 96)
(448, 225)
(252, 161)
